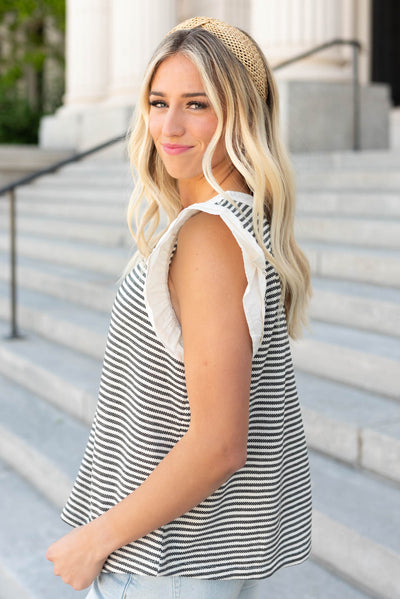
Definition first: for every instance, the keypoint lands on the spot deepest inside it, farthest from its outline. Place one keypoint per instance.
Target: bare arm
(208, 279)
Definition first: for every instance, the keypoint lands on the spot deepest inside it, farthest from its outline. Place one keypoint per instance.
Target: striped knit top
(259, 519)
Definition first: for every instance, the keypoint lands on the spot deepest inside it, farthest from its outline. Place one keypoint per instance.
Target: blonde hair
(251, 133)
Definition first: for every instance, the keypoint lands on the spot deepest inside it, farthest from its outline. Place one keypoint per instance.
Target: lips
(174, 149)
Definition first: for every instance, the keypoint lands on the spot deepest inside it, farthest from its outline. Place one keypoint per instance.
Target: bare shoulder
(208, 265)
(206, 235)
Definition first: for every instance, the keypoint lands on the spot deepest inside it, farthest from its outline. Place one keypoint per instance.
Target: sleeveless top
(258, 520)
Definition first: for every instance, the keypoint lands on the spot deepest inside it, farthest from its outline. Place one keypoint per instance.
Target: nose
(173, 125)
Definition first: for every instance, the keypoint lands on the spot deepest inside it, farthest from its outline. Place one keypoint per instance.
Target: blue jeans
(132, 586)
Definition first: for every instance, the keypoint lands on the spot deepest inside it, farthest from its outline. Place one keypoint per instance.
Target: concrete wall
(318, 115)
(16, 161)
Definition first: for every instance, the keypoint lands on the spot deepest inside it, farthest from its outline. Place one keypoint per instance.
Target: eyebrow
(188, 95)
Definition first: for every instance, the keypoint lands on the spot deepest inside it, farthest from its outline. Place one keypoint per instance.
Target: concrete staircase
(73, 244)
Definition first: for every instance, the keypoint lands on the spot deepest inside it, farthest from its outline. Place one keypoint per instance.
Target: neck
(193, 191)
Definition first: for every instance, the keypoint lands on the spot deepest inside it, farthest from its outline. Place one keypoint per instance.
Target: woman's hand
(76, 557)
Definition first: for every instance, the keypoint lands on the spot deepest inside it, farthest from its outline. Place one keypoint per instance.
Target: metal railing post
(13, 270)
(356, 100)
(10, 189)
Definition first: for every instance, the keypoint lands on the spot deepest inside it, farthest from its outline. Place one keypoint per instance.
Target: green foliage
(26, 10)
(19, 123)
(24, 51)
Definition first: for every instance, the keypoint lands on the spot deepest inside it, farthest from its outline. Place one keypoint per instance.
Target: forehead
(177, 72)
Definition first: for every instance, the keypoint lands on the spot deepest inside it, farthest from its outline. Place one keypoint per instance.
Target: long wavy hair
(250, 128)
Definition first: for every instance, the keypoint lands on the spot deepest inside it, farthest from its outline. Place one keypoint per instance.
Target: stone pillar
(108, 44)
(87, 51)
(137, 26)
(285, 28)
(234, 12)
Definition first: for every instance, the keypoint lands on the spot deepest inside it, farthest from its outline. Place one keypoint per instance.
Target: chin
(181, 175)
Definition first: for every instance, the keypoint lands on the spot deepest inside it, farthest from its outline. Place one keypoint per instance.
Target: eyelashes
(195, 105)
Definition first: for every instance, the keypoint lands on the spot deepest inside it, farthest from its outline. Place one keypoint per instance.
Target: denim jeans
(132, 586)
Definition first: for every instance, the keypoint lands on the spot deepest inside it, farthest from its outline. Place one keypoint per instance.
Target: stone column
(87, 51)
(109, 43)
(234, 12)
(285, 28)
(137, 26)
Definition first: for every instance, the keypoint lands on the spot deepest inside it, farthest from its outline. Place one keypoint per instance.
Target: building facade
(108, 44)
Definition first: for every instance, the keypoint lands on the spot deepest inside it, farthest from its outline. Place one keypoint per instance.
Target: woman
(195, 481)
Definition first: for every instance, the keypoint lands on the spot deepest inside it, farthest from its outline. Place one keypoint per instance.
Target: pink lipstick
(175, 149)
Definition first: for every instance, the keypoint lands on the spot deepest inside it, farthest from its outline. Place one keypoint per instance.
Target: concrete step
(357, 180)
(110, 261)
(356, 524)
(62, 193)
(309, 579)
(39, 446)
(348, 203)
(98, 178)
(85, 331)
(72, 208)
(109, 235)
(347, 160)
(373, 233)
(63, 377)
(357, 305)
(360, 359)
(29, 525)
(347, 379)
(45, 446)
(86, 288)
(365, 265)
(76, 327)
(364, 233)
(355, 426)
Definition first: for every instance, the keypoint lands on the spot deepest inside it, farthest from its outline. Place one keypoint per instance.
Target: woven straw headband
(238, 43)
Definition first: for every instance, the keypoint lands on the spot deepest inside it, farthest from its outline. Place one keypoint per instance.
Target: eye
(157, 103)
(197, 105)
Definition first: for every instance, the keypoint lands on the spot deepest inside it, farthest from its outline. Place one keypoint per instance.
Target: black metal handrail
(10, 189)
(356, 83)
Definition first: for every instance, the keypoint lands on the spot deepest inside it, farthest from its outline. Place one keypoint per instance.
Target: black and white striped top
(260, 519)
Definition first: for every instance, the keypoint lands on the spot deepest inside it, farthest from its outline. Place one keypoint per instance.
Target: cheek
(154, 127)
(208, 129)
(220, 150)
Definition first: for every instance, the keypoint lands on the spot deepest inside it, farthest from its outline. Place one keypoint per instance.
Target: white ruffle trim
(156, 291)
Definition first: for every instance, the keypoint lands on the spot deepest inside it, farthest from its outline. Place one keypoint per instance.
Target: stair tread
(347, 248)
(73, 210)
(81, 245)
(62, 310)
(24, 554)
(81, 370)
(69, 272)
(357, 426)
(110, 260)
(362, 341)
(311, 581)
(44, 428)
(357, 499)
(354, 220)
(95, 178)
(98, 234)
(357, 289)
(113, 197)
(346, 159)
(347, 404)
(23, 546)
